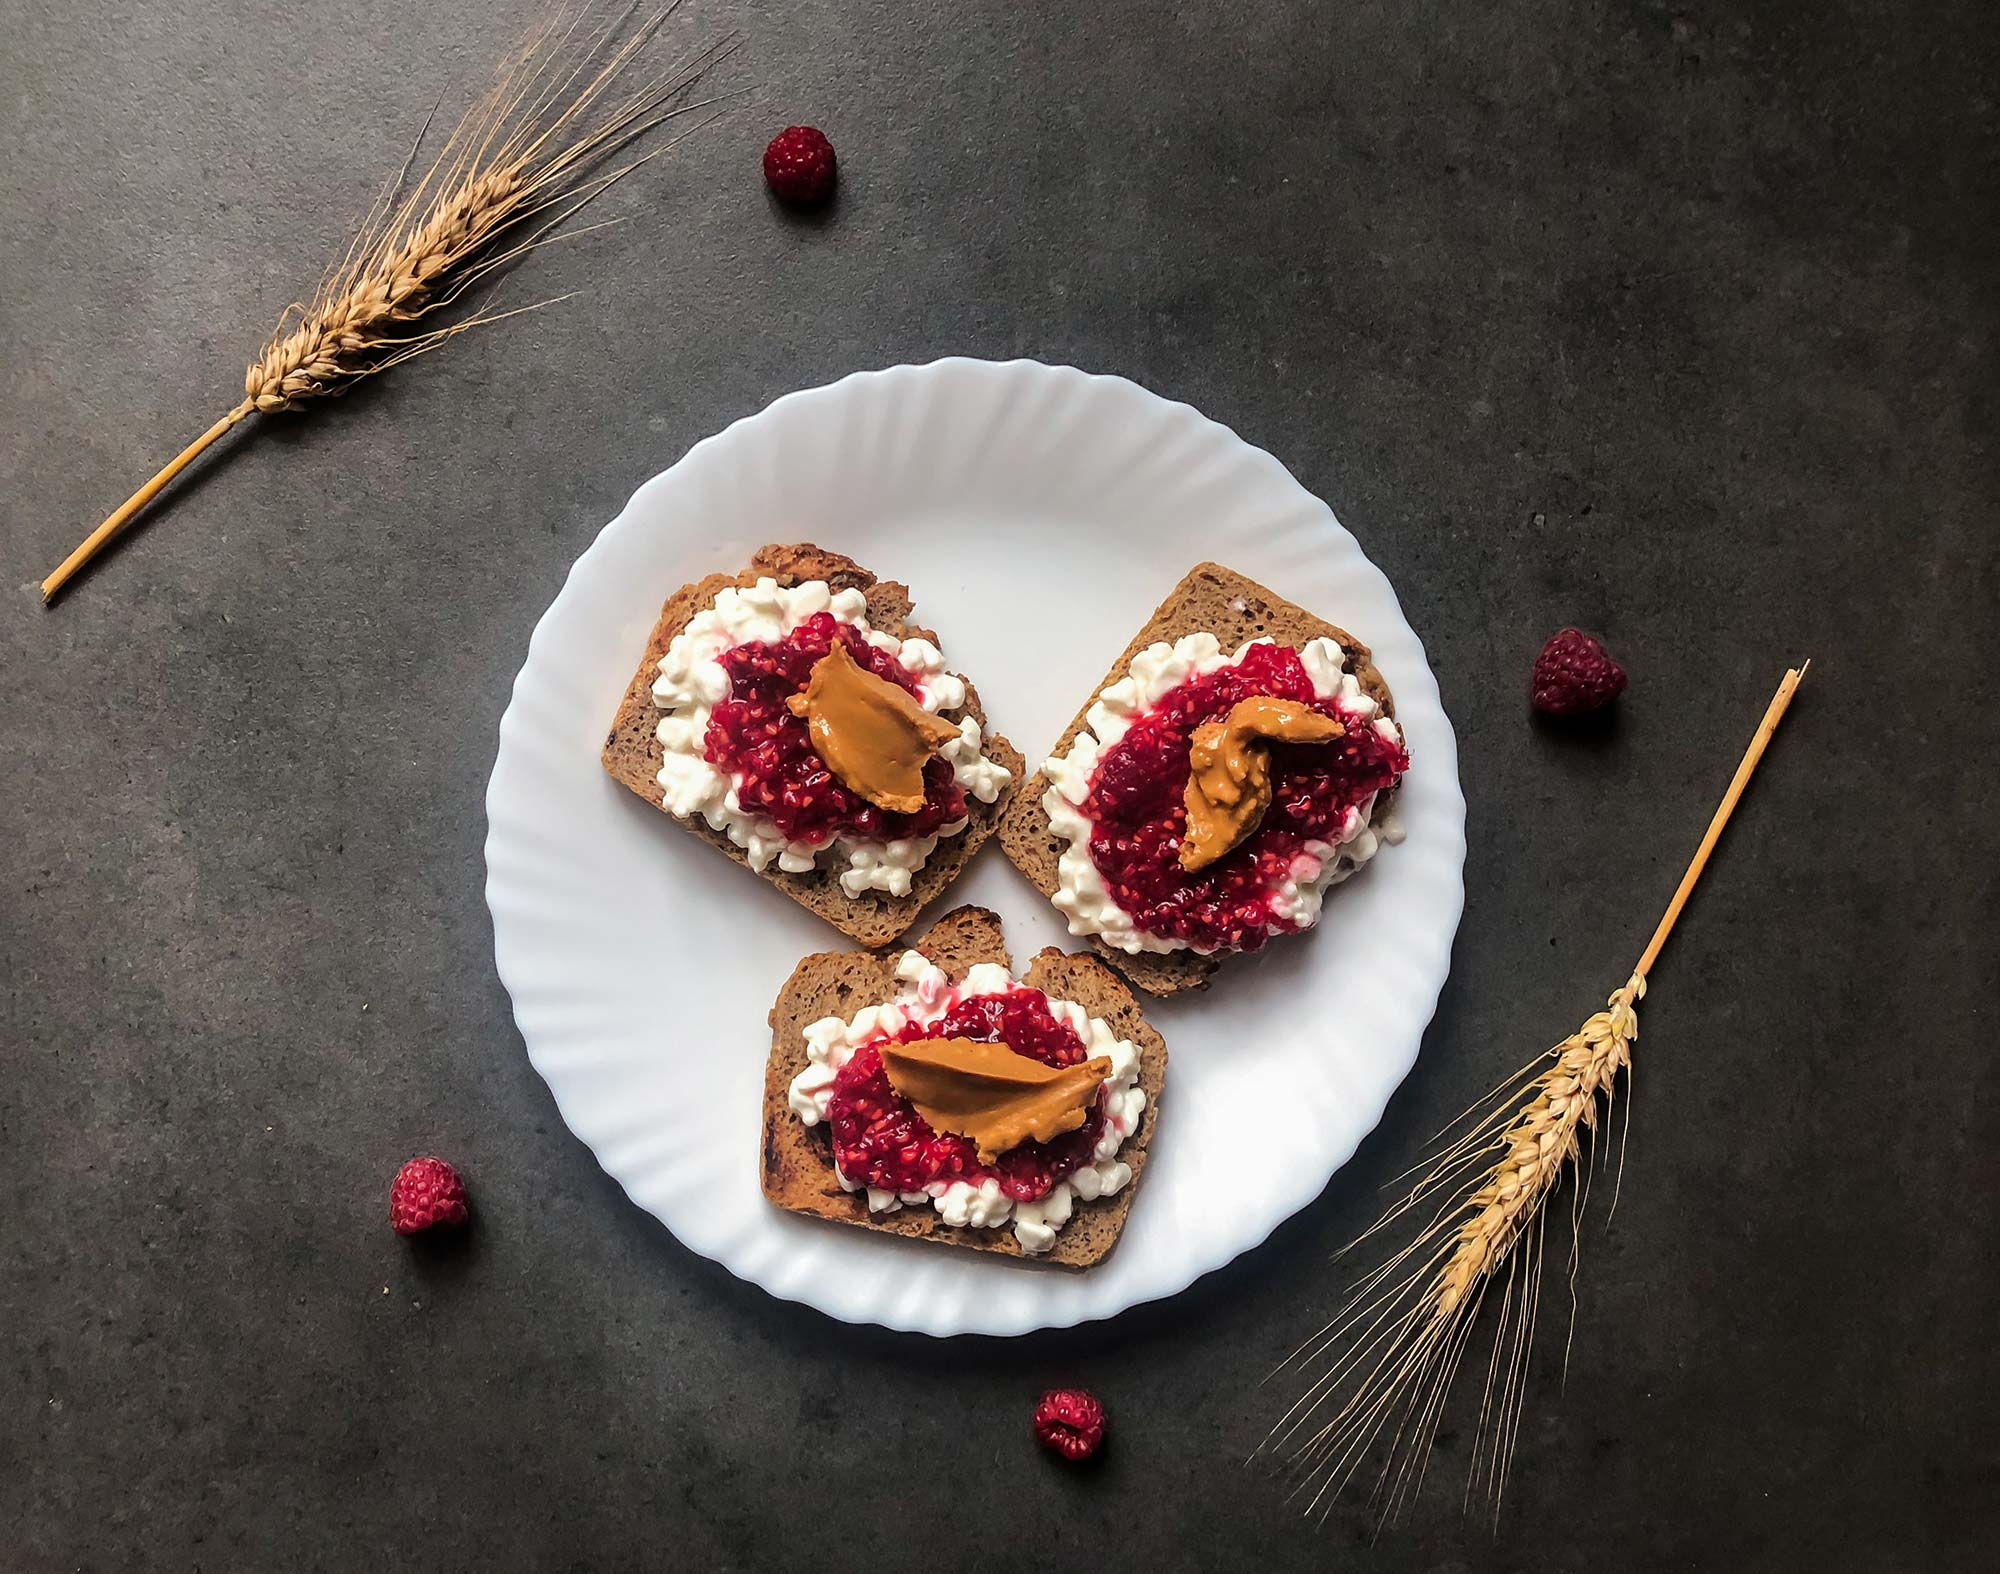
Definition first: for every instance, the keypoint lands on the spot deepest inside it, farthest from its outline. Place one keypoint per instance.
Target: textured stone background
(1675, 321)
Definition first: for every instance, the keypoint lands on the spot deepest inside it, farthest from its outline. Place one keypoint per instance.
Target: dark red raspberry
(1574, 674)
(427, 1192)
(799, 166)
(1070, 1421)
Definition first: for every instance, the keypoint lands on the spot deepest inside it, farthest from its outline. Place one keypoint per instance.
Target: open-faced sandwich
(933, 1095)
(1238, 760)
(793, 717)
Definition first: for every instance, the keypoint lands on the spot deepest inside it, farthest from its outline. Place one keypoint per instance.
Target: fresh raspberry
(427, 1193)
(799, 166)
(1070, 1421)
(1574, 674)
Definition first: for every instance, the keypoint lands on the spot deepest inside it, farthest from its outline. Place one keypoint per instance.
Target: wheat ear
(1387, 1360)
(524, 159)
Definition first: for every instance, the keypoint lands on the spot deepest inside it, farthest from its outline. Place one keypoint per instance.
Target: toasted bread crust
(632, 753)
(1233, 609)
(796, 1160)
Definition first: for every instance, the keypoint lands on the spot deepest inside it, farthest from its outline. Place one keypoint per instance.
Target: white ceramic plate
(1038, 515)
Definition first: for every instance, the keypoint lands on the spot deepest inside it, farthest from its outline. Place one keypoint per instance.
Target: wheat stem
(94, 543)
(1773, 714)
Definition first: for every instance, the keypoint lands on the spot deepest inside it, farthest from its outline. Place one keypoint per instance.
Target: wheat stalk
(1387, 1359)
(517, 166)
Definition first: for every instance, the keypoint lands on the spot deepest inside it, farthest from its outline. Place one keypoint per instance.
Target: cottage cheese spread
(927, 994)
(692, 682)
(1155, 673)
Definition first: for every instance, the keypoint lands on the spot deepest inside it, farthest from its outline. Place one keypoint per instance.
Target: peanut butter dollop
(991, 1095)
(872, 734)
(1229, 771)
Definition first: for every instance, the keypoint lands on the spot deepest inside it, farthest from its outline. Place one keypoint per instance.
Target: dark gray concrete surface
(1674, 321)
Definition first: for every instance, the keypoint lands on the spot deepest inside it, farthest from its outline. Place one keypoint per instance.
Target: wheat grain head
(1387, 1359)
(1391, 1351)
(518, 155)
(521, 163)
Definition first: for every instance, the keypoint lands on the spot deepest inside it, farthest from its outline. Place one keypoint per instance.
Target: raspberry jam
(769, 751)
(880, 1140)
(1138, 807)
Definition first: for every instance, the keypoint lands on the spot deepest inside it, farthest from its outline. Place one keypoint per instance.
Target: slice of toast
(1234, 610)
(797, 1159)
(632, 752)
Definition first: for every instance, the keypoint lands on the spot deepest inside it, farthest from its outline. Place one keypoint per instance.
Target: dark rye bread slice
(632, 752)
(1233, 609)
(797, 1159)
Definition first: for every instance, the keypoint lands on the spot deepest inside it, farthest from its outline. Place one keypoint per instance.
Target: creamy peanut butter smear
(872, 733)
(989, 1094)
(1229, 771)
